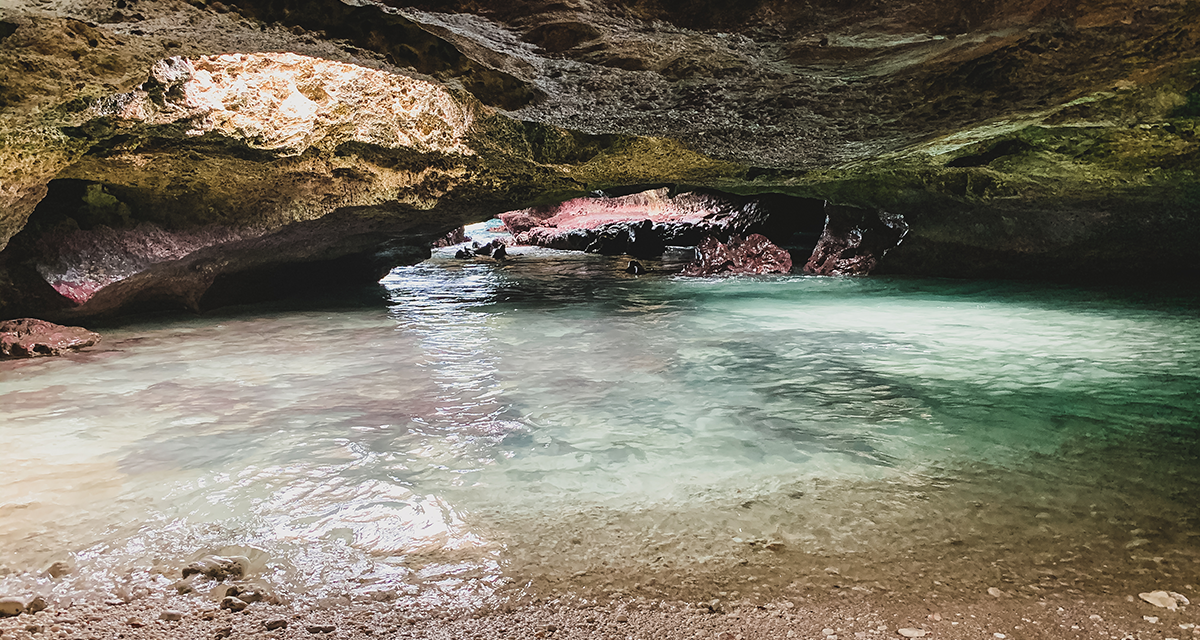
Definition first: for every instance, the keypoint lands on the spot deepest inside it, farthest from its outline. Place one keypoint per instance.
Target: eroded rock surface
(854, 241)
(31, 338)
(1026, 139)
(643, 224)
(753, 255)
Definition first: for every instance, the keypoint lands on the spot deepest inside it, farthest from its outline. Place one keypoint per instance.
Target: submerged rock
(1166, 599)
(30, 338)
(218, 567)
(753, 255)
(14, 605)
(11, 606)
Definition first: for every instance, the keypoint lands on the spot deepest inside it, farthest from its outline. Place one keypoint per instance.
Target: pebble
(278, 623)
(909, 632)
(622, 618)
(11, 606)
(219, 567)
(37, 604)
(999, 636)
(1151, 619)
(171, 615)
(1160, 599)
(1095, 618)
(995, 593)
(320, 628)
(58, 570)
(233, 604)
(827, 631)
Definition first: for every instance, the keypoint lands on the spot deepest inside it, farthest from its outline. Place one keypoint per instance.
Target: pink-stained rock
(452, 238)
(549, 226)
(30, 338)
(753, 255)
(644, 224)
(79, 263)
(854, 240)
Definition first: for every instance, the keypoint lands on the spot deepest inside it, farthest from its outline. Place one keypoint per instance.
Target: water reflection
(498, 424)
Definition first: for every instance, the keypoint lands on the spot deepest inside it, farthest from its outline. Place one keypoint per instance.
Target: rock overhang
(1037, 135)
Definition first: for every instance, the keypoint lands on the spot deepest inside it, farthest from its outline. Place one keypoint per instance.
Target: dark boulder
(854, 241)
(753, 255)
(29, 338)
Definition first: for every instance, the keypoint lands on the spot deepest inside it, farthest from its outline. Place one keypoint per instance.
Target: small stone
(320, 628)
(936, 617)
(999, 636)
(58, 570)
(11, 606)
(827, 631)
(1179, 598)
(995, 593)
(551, 628)
(622, 618)
(35, 605)
(30, 338)
(1160, 599)
(218, 567)
(278, 623)
(833, 571)
(171, 615)
(223, 632)
(1151, 619)
(135, 622)
(35, 628)
(250, 594)
(233, 603)
(909, 632)
(1095, 618)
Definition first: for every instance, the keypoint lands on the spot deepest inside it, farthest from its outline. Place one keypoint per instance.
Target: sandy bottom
(835, 613)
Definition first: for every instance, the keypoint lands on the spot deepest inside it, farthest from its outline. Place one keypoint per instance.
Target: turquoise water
(556, 424)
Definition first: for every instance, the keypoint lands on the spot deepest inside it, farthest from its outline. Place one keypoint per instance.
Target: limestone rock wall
(161, 153)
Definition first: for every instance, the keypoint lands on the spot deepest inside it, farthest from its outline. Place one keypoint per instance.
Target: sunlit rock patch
(286, 103)
(643, 224)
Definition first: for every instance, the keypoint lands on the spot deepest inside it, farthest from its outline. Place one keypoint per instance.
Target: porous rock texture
(168, 154)
(644, 223)
(30, 338)
(752, 255)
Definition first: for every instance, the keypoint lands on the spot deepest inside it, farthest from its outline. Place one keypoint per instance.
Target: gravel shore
(836, 615)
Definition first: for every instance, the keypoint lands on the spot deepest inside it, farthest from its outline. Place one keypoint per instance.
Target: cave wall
(215, 143)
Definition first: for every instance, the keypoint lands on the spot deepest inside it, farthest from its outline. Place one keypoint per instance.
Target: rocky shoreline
(836, 614)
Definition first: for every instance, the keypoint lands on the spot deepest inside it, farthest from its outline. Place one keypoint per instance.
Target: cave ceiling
(1030, 138)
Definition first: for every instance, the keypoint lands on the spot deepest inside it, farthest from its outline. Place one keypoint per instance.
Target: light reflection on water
(555, 418)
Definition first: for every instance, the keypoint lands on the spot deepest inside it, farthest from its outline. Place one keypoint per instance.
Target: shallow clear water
(553, 423)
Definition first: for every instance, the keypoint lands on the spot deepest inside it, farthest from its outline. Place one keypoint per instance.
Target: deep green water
(554, 423)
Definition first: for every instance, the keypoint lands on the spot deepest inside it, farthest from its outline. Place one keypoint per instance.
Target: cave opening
(645, 221)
